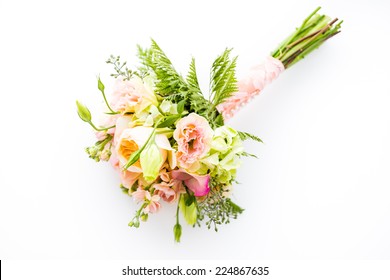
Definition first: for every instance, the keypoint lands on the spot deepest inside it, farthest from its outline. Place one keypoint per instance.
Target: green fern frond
(168, 79)
(223, 80)
(192, 77)
(245, 136)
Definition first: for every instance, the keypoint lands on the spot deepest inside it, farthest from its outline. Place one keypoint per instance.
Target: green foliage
(192, 77)
(245, 154)
(218, 209)
(188, 208)
(168, 79)
(223, 80)
(245, 136)
(169, 120)
(120, 68)
(124, 189)
(170, 84)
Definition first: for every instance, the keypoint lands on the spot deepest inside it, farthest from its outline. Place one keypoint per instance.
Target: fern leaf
(192, 77)
(223, 82)
(245, 136)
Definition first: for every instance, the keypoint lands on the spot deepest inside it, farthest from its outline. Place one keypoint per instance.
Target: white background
(319, 190)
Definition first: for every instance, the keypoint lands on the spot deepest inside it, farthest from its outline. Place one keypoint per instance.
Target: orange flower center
(127, 148)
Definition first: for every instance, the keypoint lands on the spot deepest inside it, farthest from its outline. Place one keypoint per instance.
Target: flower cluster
(170, 147)
(170, 144)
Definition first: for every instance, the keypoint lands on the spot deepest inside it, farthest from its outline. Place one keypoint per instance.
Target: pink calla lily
(196, 183)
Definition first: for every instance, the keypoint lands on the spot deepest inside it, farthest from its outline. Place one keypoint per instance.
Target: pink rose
(133, 95)
(193, 135)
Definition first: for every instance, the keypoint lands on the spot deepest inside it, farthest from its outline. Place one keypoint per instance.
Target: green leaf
(219, 120)
(235, 208)
(245, 154)
(124, 189)
(189, 212)
(168, 79)
(170, 84)
(192, 78)
(83, 112)
(169, 120)
(223, 80)
(245, 135)
(180, 106)
(189, 200)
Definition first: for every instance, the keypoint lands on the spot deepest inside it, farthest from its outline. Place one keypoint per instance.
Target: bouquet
(169, 142)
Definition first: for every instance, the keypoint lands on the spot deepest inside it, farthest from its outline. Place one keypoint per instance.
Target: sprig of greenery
(245, 154)
(245, 136)
(94, 152)
(218, 209)
(120, 68)
(170, 84)
(223, 80)
(139, 215)
(192, 77)
(168, 79)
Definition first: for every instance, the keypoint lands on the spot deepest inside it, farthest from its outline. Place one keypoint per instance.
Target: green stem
(102, 128)
(177, 211)
(108, 105)
(104, 142)
(291, 38)
(314, 30)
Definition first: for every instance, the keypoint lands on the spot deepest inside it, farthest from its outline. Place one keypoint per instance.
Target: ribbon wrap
(259, 77)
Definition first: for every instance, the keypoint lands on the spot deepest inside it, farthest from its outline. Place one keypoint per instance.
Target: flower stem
(177, 210)
(102, 128)
(314, 30)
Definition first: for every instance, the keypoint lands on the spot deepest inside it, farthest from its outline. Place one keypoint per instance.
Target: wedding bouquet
(169, 142)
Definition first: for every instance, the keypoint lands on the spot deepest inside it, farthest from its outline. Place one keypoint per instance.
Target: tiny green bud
(136, 224)
(151, 161)
(100, 85)
(83, 112)
(177, 232)
(131, 224)
(144, 217)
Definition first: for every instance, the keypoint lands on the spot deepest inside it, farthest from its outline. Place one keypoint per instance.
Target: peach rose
(132, 96)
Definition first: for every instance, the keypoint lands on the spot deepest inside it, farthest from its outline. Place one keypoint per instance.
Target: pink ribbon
(259, 77)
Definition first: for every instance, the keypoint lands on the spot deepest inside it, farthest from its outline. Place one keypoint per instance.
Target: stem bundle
(314, 30)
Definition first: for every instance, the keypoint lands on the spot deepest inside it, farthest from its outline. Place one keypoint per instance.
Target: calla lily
(196, 183)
